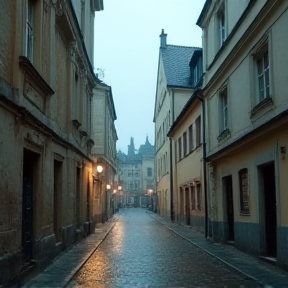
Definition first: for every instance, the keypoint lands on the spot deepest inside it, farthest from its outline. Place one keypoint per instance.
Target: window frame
(179, 148)
(198, 131)
(190, 137)
(244, 199)
(223, 97)
(193, 198)
(257, 104)
(185, 151)
(199, 195)
(259, 58)
(221, 25)
(30, 30)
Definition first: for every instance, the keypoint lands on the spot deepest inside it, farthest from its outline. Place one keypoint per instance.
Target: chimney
(163, 39)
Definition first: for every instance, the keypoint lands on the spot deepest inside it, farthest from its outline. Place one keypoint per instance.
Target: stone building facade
(104, 136)
(136, 173)
(46, 166)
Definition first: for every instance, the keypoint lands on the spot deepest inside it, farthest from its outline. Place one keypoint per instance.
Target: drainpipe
(200, 96)
(171, 183)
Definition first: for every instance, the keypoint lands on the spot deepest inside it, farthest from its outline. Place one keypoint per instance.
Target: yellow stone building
(46, 86)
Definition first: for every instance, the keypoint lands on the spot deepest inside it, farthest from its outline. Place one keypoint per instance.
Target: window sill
(224, 135)
(245, 213)
(260, 107)
(28, 67)
(35, 89)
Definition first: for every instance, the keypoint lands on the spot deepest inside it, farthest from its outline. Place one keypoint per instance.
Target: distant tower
(147, 141)
(131, 147)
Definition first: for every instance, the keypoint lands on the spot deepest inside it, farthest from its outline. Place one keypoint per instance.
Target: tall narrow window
(184, 144)
(179, 149)
(149, 172)
(83, 17)
(190, 135)
(198, 131)
(30, 29)
(223, 109)
(193, 200)
(243, 183)
(221, 25)
(263, 76)
(199, 196)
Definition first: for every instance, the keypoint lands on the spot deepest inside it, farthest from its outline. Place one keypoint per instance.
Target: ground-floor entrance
(268, 210)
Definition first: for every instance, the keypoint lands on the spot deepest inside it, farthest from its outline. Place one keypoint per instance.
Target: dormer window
(197, 72)
(196, 68)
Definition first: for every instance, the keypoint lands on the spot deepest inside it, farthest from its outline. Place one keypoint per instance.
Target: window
(184, 144)
(179, 149)
(263, 76)
(30, 29)
(223, 109)
(198, 131)
(83, 17)
(166, 162)
(199, 196)
(190, 135)
(136, 185)
(197, 71)
(221, 24)
(243, 184)
(193, 197)
(149, 172)
(181, 200)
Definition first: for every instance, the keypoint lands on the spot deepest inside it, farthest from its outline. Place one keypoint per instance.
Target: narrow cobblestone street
(140, 252)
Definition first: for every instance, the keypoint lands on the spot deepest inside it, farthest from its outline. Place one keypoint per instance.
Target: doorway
(187, 206)
(30, 161)
(78, 195)
(228, 192)
(269, 209)
(57, 200)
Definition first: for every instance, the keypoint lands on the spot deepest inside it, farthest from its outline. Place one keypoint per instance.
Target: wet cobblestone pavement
(140, 252)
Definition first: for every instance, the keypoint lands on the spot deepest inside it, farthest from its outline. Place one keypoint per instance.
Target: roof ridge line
(172, 45)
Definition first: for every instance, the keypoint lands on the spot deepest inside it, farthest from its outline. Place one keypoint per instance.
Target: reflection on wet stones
(140, 252)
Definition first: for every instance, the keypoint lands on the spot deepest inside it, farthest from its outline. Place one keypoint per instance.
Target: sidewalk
(253, 268)
(61, 271)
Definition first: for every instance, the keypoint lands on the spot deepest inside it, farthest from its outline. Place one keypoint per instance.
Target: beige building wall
(169, 103)
(247, 159)
(188, 171)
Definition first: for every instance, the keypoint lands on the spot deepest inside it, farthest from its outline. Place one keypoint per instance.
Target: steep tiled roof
(176, 61)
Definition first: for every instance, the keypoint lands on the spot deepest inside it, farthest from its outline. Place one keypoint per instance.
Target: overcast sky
(127, 49)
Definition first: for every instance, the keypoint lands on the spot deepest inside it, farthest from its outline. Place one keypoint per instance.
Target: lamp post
(114, 201)
(98, 183)
(119, 190)
(150, 191)
(108, 187)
